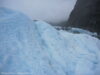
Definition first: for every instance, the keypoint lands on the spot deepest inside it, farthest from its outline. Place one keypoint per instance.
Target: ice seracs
(37, 48)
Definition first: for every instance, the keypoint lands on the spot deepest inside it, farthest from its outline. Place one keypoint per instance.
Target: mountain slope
(86, 15)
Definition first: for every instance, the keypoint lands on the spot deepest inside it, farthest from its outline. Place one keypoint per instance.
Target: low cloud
(53, 11)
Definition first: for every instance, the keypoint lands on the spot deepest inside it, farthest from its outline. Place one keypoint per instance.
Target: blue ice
(37, 48)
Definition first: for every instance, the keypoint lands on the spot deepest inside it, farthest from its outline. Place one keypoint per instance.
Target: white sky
(49, 10)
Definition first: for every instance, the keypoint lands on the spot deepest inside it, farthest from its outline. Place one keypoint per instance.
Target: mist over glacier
(53, 11)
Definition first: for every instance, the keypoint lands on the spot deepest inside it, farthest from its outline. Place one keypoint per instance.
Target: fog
(53, 11)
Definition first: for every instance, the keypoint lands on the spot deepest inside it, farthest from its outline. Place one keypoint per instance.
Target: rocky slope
(86, 15)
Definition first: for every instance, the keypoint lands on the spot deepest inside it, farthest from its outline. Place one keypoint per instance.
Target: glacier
(36, 48)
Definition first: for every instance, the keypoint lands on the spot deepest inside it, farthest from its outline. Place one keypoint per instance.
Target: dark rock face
(86, 15)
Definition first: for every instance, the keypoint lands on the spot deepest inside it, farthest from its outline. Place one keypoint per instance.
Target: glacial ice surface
(37, 48)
